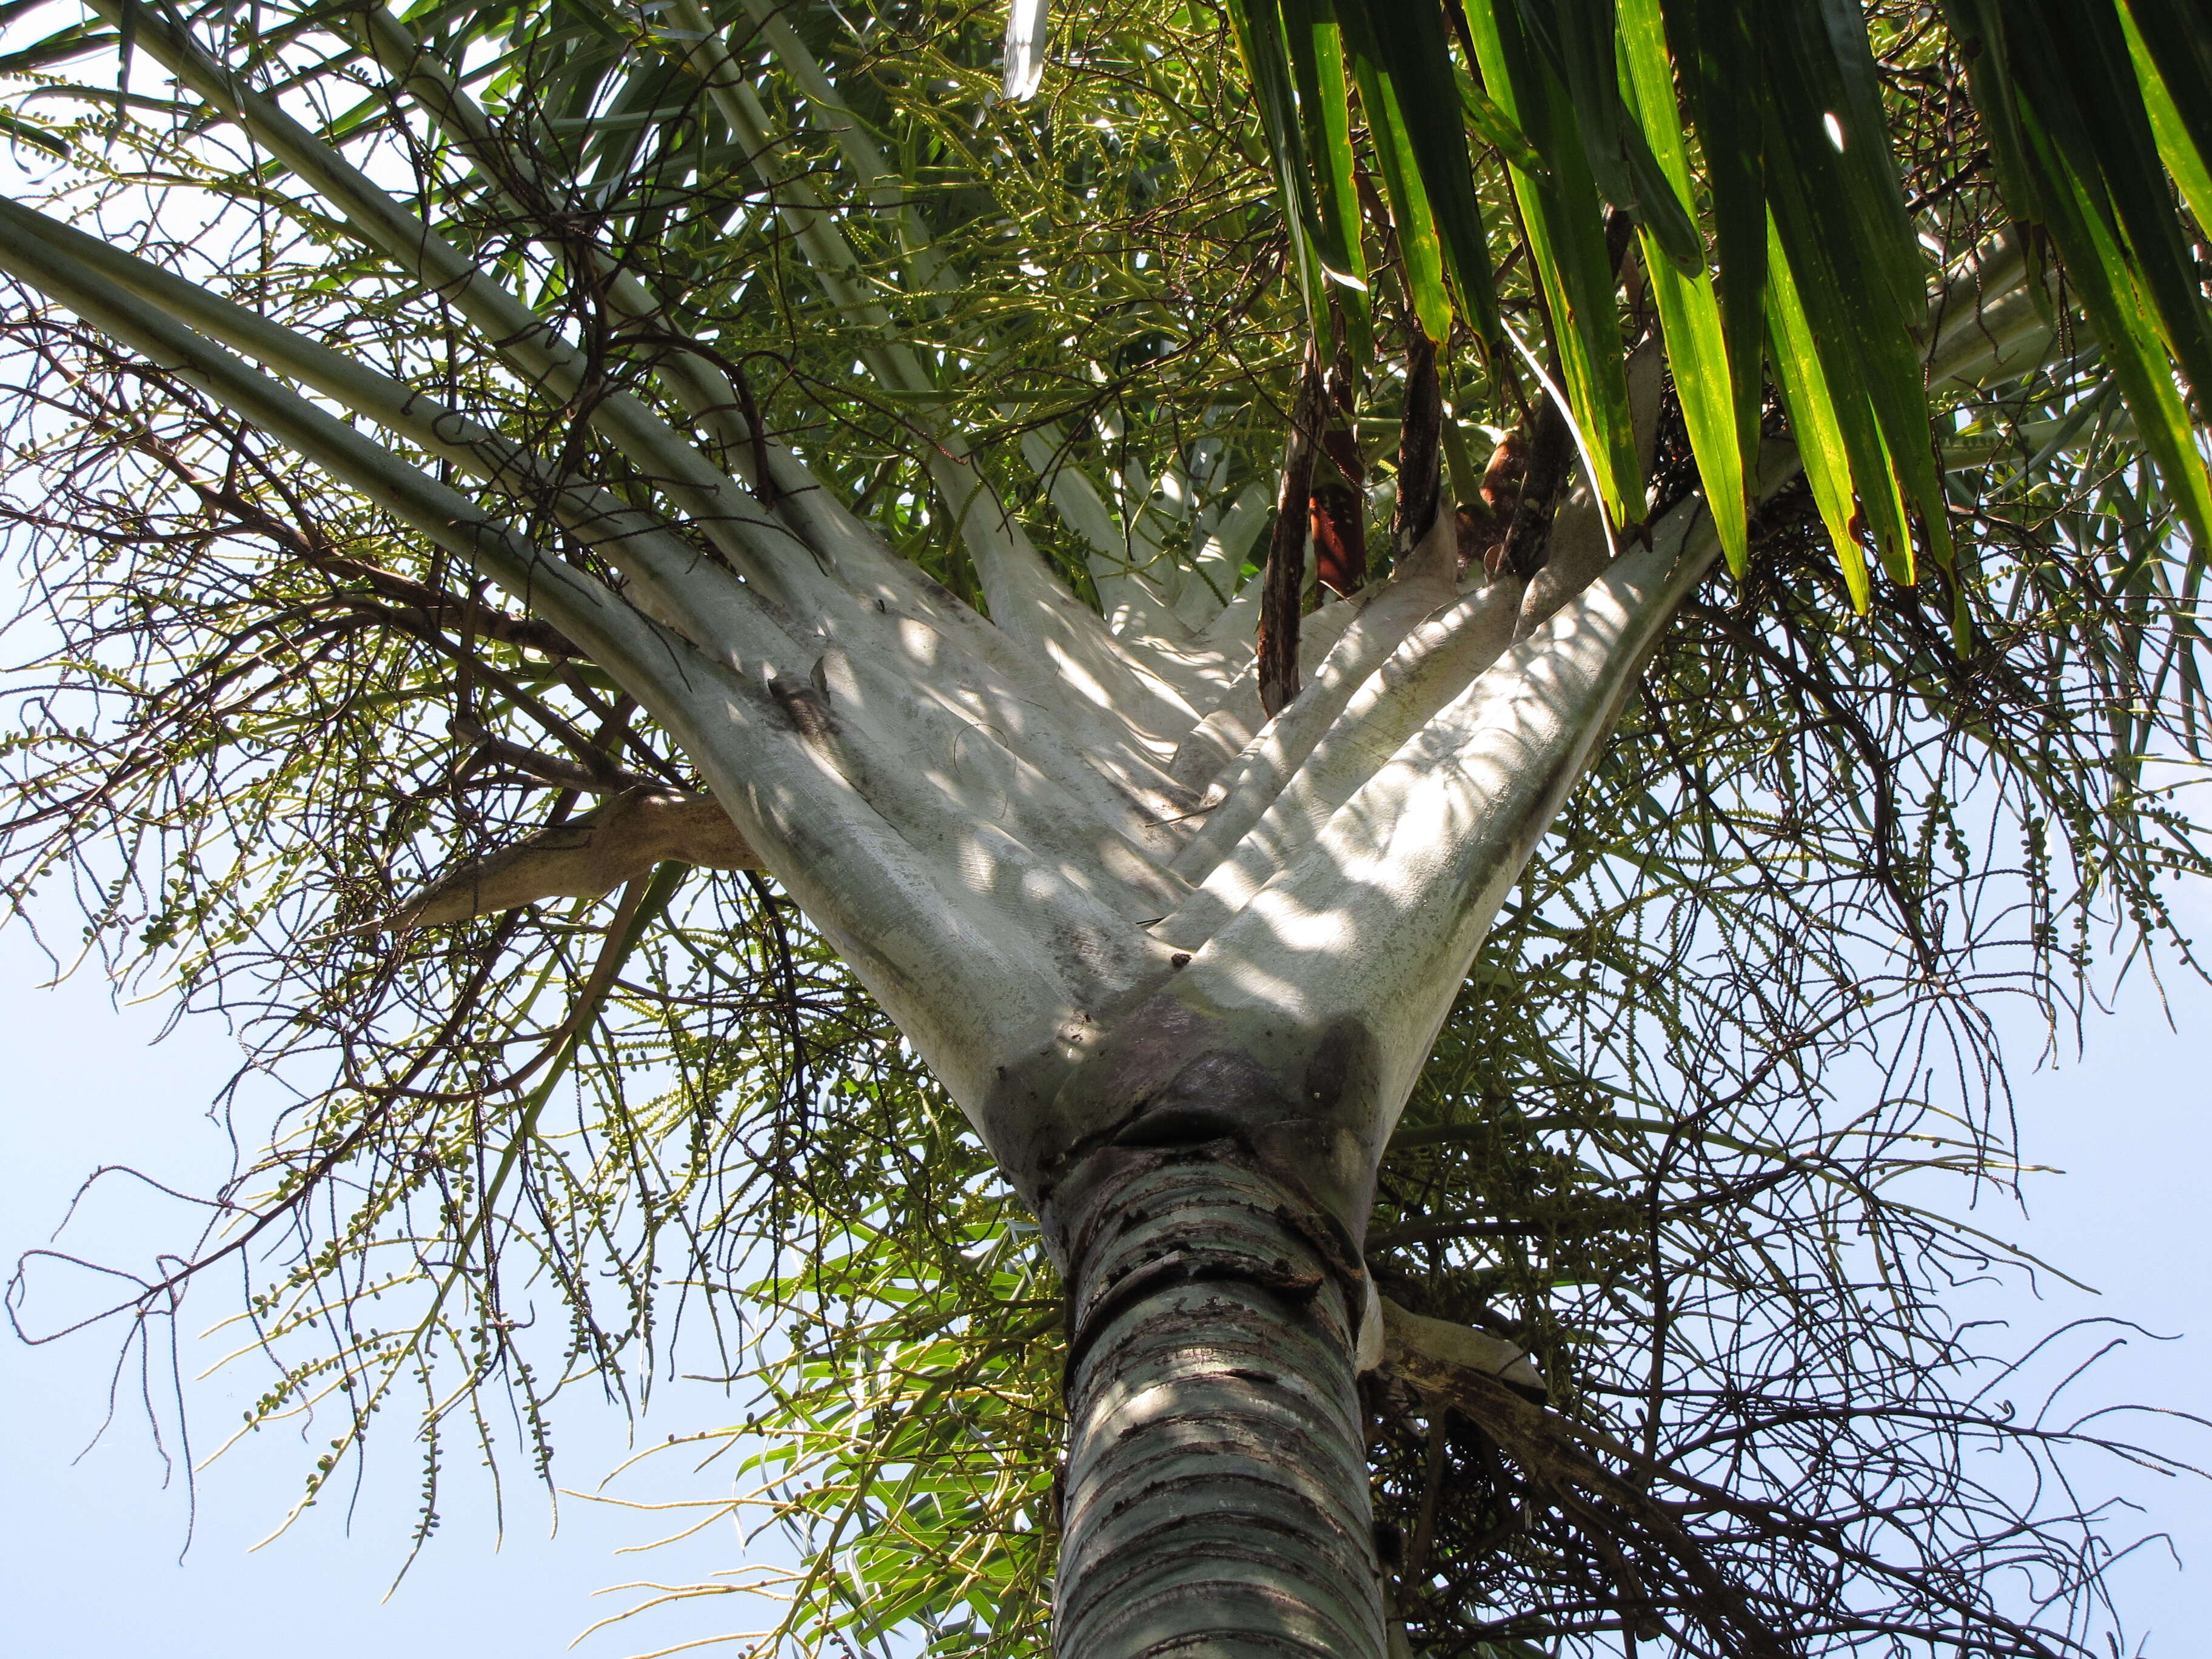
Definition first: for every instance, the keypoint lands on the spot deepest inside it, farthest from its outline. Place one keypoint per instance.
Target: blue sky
(89, 1544)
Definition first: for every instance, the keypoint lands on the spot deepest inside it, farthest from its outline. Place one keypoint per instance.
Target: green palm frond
(1752, 150)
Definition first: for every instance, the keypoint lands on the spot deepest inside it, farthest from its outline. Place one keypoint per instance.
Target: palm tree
(953, 516)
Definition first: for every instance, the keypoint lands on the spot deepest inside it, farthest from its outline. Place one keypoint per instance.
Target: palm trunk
(1216, 1491)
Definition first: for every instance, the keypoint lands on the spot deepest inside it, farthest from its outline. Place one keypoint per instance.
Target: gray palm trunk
(1179, 964)
(1215, 1493)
